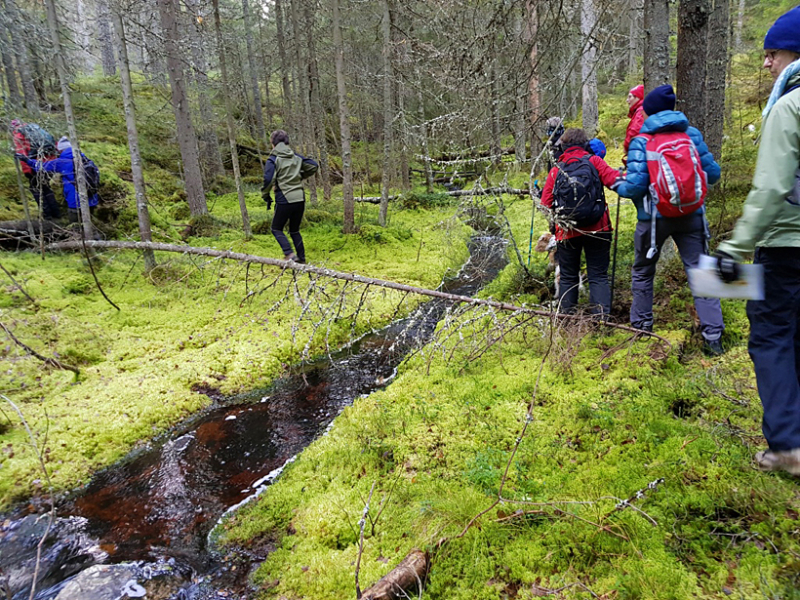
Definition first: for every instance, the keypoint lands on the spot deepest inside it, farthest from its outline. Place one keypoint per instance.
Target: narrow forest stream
(147, 519)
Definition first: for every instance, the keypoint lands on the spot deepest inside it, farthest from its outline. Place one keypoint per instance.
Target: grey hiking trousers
(689, 235)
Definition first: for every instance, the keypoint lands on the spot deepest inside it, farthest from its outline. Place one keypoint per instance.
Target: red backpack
(678, 184)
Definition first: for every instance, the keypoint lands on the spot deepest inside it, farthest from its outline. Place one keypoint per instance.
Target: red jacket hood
(572, 153)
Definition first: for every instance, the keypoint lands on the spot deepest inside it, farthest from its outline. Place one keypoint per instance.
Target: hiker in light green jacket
(770, 225)
(284, 172)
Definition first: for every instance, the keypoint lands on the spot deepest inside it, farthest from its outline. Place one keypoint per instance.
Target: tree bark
(634, 36)
(105, 40)
(591, 114)
(739, 26)
(656, 44)
(80, 176)
(317, 113)
(388, 111)
(133, 141)
(251, 61)
(402, 580)
(494, 104)
(693, 37)
(280, 40)
(187, 140)
(7, 58)
(534, 98)
(237, 175)
(716, 76)
(16, 34)
(344, 124)
(423, 134)
(308, 136)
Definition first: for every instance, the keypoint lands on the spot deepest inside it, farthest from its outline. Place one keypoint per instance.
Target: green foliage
(417, 199)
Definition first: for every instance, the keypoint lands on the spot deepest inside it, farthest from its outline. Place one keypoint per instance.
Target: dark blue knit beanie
(661, 98)
(783, 35)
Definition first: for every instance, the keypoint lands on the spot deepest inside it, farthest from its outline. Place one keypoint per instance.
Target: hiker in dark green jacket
(285, 171)
(770, 224)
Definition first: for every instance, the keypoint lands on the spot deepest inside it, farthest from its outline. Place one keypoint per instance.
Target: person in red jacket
(38, 182)
(636, 116)
(593, 240)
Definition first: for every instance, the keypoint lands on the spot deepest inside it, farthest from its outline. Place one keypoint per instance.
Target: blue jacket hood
(666, 120)
(66, 153)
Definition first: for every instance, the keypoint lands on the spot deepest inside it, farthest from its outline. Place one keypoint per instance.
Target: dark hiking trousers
(596, 246)
(43, 194)
(689, 234)
(775, 345)
(291, 212)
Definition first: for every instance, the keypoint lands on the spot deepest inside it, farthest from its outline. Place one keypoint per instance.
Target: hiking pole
(614, 259)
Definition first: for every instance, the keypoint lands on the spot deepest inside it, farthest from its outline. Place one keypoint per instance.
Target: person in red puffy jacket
(636, 116)
(593, 240)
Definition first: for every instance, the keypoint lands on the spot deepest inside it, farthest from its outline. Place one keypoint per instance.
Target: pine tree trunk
(317, 114)
(588, 73)
(280, 40)
(237, 175)
(187, 140)
(520, 128)
(16, 35)
(267, 72)
(656, 44)
(251, 61)
(104, 37)
(494, 103)
(693, 39)
(207, 136)
(716, 75)
(344, 124)
(405, 170)
(534, 99)
(388, 111)
(308, 135)
(423, 134)
(7, 58)
(133, 141)
(80, 177)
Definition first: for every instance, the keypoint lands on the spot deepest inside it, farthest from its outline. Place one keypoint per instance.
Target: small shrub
(315, 215)
(79, 284)
(262, 227)
(180, 212)
(203, 226)
(419, 200)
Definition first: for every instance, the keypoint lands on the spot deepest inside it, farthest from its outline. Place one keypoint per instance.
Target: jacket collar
(636, 106)
(666, 120)
(572, 153)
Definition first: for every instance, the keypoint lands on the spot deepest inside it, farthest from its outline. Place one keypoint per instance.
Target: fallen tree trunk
(306, 268)
(399, 582)
(444, 157)
(457, 193)
(14, 234)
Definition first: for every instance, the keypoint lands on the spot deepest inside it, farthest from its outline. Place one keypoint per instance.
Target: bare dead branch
(48, 361)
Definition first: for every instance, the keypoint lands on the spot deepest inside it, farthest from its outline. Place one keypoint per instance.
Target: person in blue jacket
(689, 232)
(65, 166)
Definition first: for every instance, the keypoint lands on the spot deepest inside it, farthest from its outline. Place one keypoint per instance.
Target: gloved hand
(727, 267)
(268, 199)
(617, 182)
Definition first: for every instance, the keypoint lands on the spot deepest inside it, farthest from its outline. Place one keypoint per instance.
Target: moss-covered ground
(608, 416)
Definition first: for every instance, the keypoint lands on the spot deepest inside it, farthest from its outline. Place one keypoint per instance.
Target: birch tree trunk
(716, 75)
(317, 114)
(388, 111)
(634, 35)
(187, 140)
(251, 62)
(237, 175)
(80, 176)
(133, 141)
(739, 26)
(591, 114)
(693, 38)
(344, 124)
(656, 44)
(280, 39)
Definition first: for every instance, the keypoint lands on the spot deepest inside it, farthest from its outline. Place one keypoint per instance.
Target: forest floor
(607, 414)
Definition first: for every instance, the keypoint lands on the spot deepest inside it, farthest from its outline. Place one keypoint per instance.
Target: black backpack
(92, 174)
(41, 142)
(579, 199)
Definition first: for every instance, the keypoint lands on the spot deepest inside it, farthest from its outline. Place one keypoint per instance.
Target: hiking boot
(290, 257)
(779, 460)
(713, 348)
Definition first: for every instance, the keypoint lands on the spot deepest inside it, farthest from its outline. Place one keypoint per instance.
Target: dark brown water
(159, 505)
